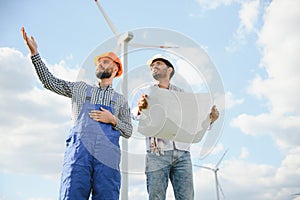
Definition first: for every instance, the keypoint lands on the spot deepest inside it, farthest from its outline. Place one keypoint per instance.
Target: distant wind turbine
(215, 170)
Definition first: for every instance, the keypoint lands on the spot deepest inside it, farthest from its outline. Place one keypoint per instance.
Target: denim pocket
(68, 140)
(71, 139)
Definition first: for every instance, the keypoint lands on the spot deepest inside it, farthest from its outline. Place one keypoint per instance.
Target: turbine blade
(109, 22)
(151, 46)
(221, 159)
(204, 167)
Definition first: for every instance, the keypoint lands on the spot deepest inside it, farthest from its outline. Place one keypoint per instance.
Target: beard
(160, 75)
(156, 76)
(105, 74)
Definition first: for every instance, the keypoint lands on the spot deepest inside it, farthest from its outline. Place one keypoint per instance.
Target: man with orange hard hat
(100, 116)
(113, 57)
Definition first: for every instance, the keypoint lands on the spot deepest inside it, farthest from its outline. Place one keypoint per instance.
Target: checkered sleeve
(49, 81)
(123, 117)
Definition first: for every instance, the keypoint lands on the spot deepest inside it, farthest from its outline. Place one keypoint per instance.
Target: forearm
(48, 80)
(123, 121)
(124, 127)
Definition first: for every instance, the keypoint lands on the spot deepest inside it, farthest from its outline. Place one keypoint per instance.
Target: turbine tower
(123, 43)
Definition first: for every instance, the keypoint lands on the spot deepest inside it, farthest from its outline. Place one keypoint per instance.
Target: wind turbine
(123, 43)
(215, 170)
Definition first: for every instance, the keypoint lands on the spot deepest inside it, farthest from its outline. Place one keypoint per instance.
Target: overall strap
(113, 101)
(115, 97)
(88, 93)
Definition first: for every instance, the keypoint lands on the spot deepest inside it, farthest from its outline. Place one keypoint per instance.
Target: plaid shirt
(77, 92)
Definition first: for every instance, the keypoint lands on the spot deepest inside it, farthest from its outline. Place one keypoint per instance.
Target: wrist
(33, 52)
(139, 112)
(114, 121)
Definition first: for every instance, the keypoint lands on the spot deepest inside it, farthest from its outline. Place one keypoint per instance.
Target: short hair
(168, 63)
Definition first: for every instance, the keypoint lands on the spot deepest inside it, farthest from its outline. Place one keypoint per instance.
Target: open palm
(30, 42)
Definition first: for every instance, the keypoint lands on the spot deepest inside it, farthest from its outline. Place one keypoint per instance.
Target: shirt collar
(170, 86)
(108, 88)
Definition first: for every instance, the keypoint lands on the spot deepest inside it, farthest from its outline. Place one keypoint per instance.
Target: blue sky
(252, 44)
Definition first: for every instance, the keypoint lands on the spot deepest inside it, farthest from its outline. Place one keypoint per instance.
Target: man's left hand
(214, 114)
(104, 116)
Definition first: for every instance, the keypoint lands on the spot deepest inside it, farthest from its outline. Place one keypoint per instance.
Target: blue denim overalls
(92, 157)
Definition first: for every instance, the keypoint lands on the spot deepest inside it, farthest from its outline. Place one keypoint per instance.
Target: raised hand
(30, 42)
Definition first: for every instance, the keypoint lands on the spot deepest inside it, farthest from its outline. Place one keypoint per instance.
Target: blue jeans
(175, 165)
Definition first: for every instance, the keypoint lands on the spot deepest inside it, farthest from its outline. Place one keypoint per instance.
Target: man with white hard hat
(167, 159)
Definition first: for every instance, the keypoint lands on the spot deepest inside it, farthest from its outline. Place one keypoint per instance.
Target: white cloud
(190, 74)
(62, 70)
(283, 129)
(16, 73)
(248, 16)
(231, 101)
(38, 198)
(239, 178)
(34, 121)
(137, 194)
(279, 89)
(194, 69)
(255, 125)
(244, 153)
(213, 4)
(280, 40)
(219, 148)
(290, 169)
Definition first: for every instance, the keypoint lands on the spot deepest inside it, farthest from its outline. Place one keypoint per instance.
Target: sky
(252, 45)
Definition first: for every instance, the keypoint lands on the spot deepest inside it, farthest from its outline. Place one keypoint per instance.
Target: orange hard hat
(112, 56)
